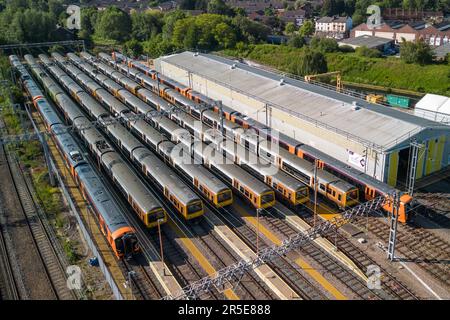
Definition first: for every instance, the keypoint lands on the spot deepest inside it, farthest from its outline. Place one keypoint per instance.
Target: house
(334, 27)
(429, 33)
(295, 16)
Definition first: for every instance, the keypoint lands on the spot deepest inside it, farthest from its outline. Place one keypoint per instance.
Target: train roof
(137, 103)
(130, 182)
(181, 157)
(111, 101)
(152, 97)
(165, 176)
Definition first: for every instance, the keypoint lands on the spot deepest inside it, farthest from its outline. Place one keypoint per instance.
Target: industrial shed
(342, 126)
(434, 107)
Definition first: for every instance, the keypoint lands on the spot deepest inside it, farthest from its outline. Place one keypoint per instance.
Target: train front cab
(266, 200)
(151, 218)
(124, 242)
(404, 207)
(223, 198)
(193, 209)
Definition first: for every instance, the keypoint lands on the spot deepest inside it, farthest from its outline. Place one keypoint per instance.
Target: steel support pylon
(393, 222)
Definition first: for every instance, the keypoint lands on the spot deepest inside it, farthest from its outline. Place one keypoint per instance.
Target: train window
(339, 197)
(247, 194)
(329, 190)
(195, 207)
(322, 186)
(266, 198)
(241, 189)
(224, 196)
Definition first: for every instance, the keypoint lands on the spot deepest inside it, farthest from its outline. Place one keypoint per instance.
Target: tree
(145, 25)
(113, 24)
(250, 31)
(225, 35)
(309, 62)
(157, 46)
(219, 7)
(133, 47)
(296, 41)
(416, 52)
(169, 21)
(290, 28)
(307, 28)
(324, 44)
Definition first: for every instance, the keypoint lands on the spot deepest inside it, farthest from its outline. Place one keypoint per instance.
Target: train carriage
(139, 197)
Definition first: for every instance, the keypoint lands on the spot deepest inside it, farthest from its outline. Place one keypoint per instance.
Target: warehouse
(372, 138)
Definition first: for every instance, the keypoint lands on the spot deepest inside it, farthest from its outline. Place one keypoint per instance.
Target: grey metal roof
(372, 125)
(366, 41)
(441, 51)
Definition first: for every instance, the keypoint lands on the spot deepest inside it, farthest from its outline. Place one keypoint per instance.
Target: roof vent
(233, 66)
(355, 106)
(281, 82)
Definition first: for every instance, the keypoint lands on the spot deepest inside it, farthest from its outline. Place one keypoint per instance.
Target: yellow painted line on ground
(323, 210)
(204, 263)
(300, 262)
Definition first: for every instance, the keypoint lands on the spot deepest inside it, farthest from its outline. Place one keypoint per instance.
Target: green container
(398, 101)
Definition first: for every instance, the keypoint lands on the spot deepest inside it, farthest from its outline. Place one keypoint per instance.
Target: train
(160, 122)
(294, 191)
(195, 102)
(340, 192)
(149, 210)
(185, 201)
(119, 234)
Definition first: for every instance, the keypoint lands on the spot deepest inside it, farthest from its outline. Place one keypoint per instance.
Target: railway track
(185, 270)
(44, 244)
(324, 260)
(50, 282)
(282, 266)
(392, 287)
(415, 244)
(8, 286)
(143, 285)
(250, 286)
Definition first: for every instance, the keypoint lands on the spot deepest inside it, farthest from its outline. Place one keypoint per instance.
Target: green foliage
(113, 24)
(366, 52)
(324, 45)
(416, 52)
(290, 28)
(346, 48)
(70, 251)
(157, 46)
(146, 25)
(387, 72)
(307, 28)
(296, 41)
(133, 48)
(308, 62)
(219, 7)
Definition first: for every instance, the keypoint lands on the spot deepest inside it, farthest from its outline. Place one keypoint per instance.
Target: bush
(346, 48)
(296, 41)
(324, 45)
(416, 52)
(366, 52)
